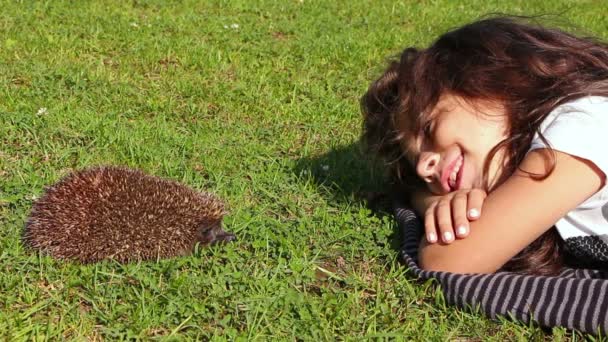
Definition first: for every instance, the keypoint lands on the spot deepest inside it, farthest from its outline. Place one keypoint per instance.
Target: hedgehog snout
(212, 234)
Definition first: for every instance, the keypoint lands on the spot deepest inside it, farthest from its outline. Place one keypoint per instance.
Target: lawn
(256, 102)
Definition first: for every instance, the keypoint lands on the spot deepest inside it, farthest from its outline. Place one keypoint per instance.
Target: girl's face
(451, 151)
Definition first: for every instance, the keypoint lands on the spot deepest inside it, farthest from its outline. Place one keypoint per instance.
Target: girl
(511, 109)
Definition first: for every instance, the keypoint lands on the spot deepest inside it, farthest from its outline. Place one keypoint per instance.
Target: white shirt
(580, 128)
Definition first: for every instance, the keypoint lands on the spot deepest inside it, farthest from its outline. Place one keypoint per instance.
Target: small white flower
(234, 26)
(42, 111)
(134, 24)
(325, 167)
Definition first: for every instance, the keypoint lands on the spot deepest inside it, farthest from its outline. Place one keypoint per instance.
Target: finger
(443, 215)
(429, 225)
(474, 203)
(459, 214)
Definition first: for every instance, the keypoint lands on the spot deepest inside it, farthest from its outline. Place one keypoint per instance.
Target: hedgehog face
(213, 233)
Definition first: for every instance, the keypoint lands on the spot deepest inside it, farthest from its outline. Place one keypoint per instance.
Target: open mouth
(453, 175)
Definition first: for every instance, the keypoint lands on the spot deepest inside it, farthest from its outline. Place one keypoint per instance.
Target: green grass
(255, 101)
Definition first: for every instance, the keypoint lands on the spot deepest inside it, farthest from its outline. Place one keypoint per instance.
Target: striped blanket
(576, 299)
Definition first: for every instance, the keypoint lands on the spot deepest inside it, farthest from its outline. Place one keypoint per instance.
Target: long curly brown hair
(528, 68)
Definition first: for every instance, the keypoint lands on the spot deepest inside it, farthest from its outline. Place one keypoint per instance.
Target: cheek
(446, 135)
(451, 137)
(490, 137)
(482, 135)
(472, 134)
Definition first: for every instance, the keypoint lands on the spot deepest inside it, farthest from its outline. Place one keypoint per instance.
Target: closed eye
(427, 129)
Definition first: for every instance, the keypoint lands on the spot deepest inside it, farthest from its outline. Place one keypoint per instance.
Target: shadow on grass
(347, 174)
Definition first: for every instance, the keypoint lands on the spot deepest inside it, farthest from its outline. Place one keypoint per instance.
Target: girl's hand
(448, 216)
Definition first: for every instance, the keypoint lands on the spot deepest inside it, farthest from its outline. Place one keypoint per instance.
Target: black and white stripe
(576, 299)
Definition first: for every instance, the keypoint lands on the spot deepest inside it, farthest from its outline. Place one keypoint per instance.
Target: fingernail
(432, 237)
(462, 230)
(474, 213)
(448, 236)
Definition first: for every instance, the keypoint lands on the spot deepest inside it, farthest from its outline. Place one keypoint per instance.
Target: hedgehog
(123, 214)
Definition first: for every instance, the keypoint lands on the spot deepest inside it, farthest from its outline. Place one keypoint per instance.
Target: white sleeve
(578, 128)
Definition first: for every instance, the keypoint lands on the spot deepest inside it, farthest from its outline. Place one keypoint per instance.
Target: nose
(427, 165)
